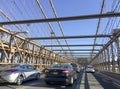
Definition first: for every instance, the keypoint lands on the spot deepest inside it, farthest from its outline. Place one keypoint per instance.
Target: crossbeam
(72, 45)
(77, 50)
(75, 53)
(107, 44)
(93, 16)
(69, 37)
(79, 54)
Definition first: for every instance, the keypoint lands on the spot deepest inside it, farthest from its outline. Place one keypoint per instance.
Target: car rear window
(74, 65)
(89, 67)
(59, 66)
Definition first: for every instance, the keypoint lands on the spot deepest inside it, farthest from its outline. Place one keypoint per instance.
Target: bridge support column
(113, 59)
(118, 54)
(9, 57)
(33, 56)
(105, 61)
(97, 63)
(100, 63)
(11, 49)
(108, 59)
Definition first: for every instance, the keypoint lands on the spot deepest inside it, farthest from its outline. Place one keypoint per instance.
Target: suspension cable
(45, 16)
(99, 20)
(60, 26)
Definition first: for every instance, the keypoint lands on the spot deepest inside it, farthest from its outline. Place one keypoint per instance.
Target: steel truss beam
(82, 56)
(107, 44)
(68, 37)
(73, 45)
(76, 53)
(94, 16)
(79, 54)
(24, 51)
(76, 50)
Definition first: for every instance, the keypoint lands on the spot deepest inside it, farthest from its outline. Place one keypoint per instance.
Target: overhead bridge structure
(25, 50)
(48, 43)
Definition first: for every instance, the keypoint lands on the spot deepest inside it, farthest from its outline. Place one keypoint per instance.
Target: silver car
(17, 73)
(90, 69)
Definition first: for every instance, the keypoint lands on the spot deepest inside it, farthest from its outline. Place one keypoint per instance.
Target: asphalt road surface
(84, 81)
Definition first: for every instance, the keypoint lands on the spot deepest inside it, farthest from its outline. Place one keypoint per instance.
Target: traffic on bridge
(59, 44)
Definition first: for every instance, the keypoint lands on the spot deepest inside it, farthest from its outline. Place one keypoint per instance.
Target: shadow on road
(106, 83)
(41, 84)
(7, 86)
(84, 81)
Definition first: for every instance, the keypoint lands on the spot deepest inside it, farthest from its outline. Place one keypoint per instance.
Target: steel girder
(94, 16)
(69, 37)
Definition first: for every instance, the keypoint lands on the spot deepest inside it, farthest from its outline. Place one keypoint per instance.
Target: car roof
(62, 64)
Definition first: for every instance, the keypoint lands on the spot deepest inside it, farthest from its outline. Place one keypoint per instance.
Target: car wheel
(19, 80)
(71, 81)
(47, 82)
(37, 76)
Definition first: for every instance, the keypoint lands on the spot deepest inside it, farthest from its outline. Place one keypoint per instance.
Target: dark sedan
(76, 67)
(60, 73)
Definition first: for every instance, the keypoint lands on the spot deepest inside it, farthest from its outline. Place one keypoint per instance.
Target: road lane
(106, 82)
(84, 81)
(82, 84)
(92, 82)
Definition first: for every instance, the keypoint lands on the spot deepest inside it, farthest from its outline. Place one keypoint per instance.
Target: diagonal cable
(45, 16)
(61, 29)
(102, 7)
(18, 26)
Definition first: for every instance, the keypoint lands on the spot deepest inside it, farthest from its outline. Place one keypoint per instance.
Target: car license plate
(55, 73)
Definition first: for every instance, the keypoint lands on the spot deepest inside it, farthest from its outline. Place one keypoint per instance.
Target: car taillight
(47, 71)
(12, 70)
(65, 72)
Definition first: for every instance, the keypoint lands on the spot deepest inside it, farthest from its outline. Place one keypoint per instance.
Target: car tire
(38, 76)
(19, 80)
(71, 81)
(47, 82)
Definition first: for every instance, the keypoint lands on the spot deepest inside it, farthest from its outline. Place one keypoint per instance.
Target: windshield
(90, 67)
(74, 65)
(59, 66)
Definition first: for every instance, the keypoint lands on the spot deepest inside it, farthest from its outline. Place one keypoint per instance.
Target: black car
(76, 67)
(60, 73)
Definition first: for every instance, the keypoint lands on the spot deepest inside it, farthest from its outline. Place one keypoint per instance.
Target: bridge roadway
(84, 81)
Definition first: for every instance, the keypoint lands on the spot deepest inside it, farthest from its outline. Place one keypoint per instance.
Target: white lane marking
(82, 85)
(93, 83)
